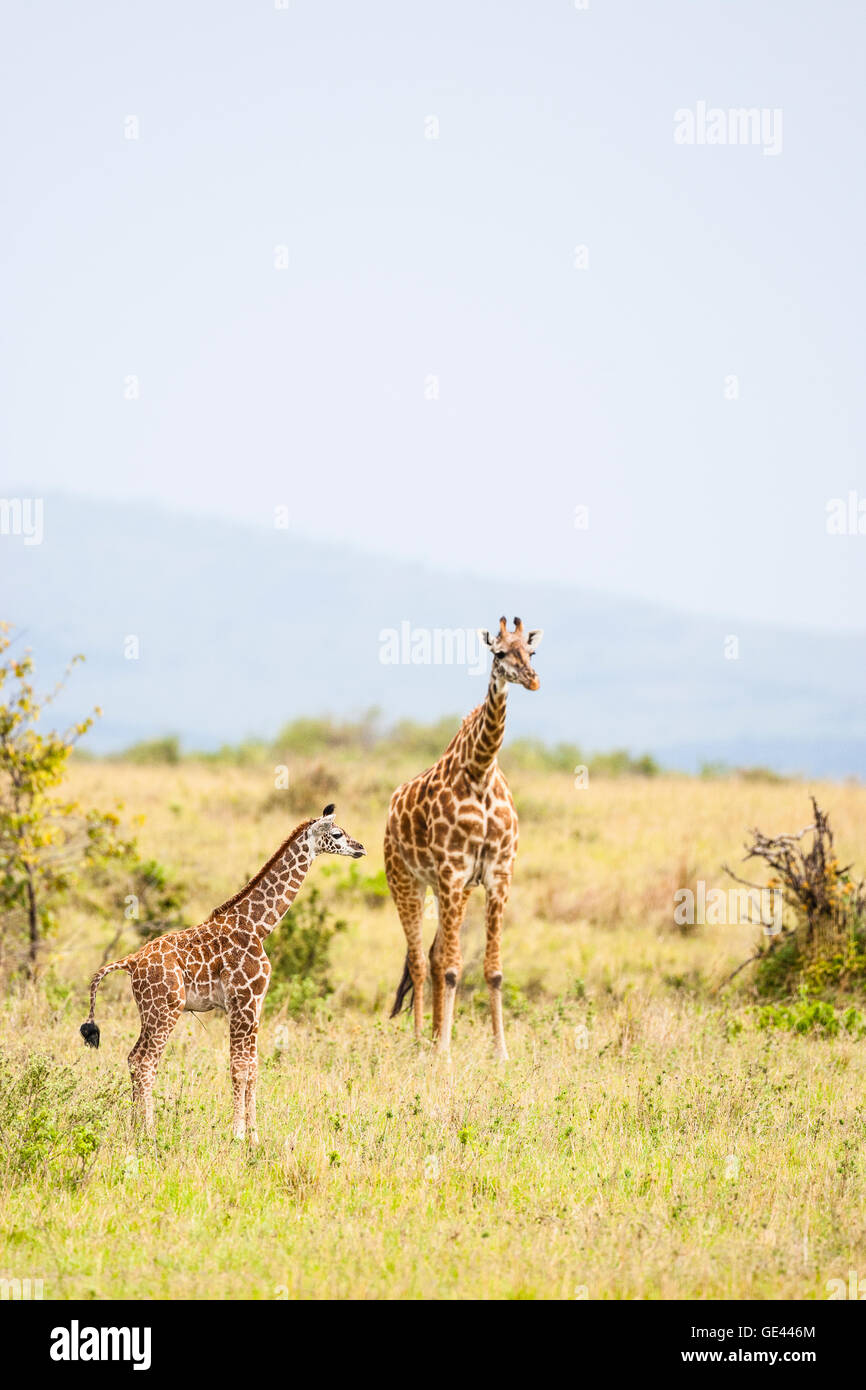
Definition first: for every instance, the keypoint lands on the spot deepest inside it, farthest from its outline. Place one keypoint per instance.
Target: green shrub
(299, 952)
(50, 1123)
(812, 1016)
(319, 735)
(372, 889)
(156, 751)
(308, 791)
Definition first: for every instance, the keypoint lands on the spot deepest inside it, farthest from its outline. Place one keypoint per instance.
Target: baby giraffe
(220, 964)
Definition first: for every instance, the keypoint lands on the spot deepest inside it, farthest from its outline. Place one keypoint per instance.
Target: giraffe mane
(256, 878)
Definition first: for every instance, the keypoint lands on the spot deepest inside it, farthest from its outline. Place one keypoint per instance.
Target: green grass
(650, 1138)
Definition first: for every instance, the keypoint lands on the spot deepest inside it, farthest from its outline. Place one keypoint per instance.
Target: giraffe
(220, 964)
(453, 828)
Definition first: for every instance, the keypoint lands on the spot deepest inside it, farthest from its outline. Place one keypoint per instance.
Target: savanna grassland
(648, 1139)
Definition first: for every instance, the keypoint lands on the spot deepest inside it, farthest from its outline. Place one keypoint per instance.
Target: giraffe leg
(446, 960)
(495, 907)
(160, 1004)
(132, 1062)
(252, 1081)
(437, 975)
(243, 1037)
(409, 898)
(261, 985)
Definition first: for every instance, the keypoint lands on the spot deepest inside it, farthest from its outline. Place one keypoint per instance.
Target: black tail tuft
(405, 987)
(90, 1034)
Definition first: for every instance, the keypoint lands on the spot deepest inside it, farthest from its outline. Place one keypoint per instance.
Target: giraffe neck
(262, 904)
(484, 730)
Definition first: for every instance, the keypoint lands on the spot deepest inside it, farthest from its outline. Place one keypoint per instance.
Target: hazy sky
(410, 257)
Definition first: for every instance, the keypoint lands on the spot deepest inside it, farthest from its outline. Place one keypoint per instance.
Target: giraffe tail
(405, 987)
(89, 1030)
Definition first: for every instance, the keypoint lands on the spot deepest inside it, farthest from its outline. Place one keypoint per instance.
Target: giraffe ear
(535, 636)
(485, 637)
(329, 811)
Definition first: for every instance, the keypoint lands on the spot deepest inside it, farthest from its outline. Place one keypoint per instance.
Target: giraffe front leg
(494, 909)
(133, 1062)
(242, 1050)
(447, 962)
(252, 1082)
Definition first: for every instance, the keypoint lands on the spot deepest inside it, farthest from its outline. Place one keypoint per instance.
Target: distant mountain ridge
(240, 629)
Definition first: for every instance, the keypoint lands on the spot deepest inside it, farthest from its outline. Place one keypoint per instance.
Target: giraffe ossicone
(220, 964)
(454, 828)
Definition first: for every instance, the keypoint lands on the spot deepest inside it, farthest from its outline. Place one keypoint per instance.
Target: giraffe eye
(337, 834)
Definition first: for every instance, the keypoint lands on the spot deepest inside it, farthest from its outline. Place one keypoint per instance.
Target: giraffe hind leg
(409, 898)
(495, 907)
(160, 1005)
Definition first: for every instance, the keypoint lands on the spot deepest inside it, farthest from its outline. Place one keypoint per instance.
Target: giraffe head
(328, 838)
(512, 652)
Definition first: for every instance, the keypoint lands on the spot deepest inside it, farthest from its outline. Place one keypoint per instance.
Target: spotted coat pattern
(220, 964)
(454, 828)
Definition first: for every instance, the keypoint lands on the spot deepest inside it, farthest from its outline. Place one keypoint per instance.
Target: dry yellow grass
(638, 1144)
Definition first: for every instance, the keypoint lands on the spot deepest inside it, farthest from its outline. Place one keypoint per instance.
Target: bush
(620, 763)
(534, 756)
(824, 944)
(372, 889)
(423, 742)
(160, 752)
(320, 735)
(299, 952)
(52, 1125)
(306, 793)
(813, 1016)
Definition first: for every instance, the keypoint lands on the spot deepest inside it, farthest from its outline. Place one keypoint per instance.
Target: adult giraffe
(453, 828)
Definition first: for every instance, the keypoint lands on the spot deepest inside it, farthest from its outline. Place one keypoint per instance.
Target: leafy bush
(49, 843)
(812, 1016)
(532, 755)
(299, 952)
(372, 889)
(422, 742)
(620, 763)
(50, 1124)
(251, 753)
(408, 740)
(320, 735)
(160, 752)
(306, 793)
